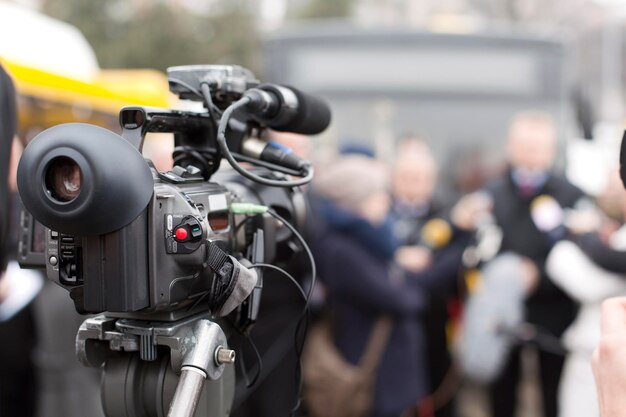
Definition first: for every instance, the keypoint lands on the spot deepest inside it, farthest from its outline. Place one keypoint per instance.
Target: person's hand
(609, 359)
(583, 221)
(607, 229)
(470, 209)
(413, 258)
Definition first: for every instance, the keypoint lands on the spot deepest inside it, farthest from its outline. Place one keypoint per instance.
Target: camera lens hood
(110, 182)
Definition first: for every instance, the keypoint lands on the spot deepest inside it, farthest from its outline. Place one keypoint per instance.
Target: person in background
(18, 377)
(64, 386)
(39, 372)
(413, 185)
(8, 120)
(589, 283)
(531, 150)
(424, 230)
(355, 249)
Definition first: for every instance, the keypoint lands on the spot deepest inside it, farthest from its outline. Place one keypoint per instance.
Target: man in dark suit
(531, 150)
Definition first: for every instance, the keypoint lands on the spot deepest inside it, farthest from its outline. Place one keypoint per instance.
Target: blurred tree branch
(323, 9)
(143, 34)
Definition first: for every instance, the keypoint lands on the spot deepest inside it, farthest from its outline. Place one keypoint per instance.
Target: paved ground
(472, 399)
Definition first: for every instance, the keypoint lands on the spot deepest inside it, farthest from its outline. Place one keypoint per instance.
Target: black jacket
(7, 130)
(600, 253)
(548, 306)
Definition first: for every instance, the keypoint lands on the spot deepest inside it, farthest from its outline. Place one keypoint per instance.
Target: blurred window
(445, 71)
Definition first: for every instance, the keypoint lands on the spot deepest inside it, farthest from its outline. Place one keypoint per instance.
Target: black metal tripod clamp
(195, 342)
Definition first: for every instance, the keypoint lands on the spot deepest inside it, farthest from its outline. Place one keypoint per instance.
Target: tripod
(142, 360)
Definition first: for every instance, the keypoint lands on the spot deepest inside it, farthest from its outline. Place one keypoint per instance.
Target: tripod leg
(187, 393)
(205, 360)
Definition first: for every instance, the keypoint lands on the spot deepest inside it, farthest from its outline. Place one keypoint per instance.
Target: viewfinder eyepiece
(83, 180)
(63, 179)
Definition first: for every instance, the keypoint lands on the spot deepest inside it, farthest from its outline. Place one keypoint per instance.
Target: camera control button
(181, 233)
(53, 260)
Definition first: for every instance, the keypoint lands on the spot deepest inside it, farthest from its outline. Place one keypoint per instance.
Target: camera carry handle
(137, 121)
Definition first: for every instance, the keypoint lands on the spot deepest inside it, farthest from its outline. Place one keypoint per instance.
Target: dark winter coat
(548, 306)
(354, 264)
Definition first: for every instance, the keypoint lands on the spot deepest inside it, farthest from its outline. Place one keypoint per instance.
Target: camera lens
(63, 179)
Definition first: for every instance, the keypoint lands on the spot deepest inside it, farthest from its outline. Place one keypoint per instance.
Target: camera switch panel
(183, 234)
(64, 258)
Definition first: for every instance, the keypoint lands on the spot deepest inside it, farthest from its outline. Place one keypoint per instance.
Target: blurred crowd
(414, 298)
(460, 291)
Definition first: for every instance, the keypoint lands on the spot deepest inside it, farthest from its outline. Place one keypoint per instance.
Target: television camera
(171, 261)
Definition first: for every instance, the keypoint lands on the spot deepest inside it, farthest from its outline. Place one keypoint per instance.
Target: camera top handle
(194, 137)
(192, 131)
(191, 128)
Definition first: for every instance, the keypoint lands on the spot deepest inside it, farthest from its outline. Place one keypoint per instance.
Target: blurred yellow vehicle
(58, 79)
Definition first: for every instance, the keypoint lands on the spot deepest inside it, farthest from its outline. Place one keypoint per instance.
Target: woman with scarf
(355, 249)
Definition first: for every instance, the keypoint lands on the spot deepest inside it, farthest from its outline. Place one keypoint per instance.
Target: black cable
(221, 141)
(205, 95)
(303, 321)
(184, 152)
(208, 101)
(304, 317)
(200, 153)
(198, 300)
(207, 158)
(304, 245)
(259, 361)
(301, 327)
(286, 274)
(241, 224)
(261, 377)
(249, 383)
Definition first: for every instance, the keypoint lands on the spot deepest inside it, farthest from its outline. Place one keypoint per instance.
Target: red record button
(181, 233)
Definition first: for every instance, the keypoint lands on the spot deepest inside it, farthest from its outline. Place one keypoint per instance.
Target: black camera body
(153, 264)
(128, 240)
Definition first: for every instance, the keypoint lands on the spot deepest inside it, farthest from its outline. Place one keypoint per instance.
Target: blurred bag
(333, 387)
